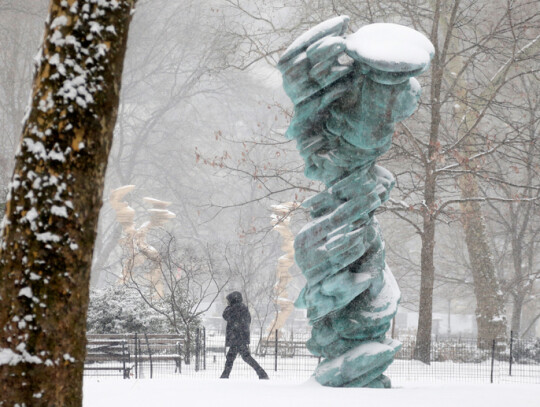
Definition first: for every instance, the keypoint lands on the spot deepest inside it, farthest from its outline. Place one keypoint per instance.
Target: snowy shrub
(455, 351)
(122, 309)
(118, 309)
(459, 351)
(526, 352)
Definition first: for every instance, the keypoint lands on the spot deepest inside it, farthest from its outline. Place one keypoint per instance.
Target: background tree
(175, 92)
(190, 280)
(20, 33)
(53, 202)
(120, 310)
(251, 273)
(515, 227)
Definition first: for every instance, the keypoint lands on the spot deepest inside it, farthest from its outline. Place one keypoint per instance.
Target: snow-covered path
(273, 393)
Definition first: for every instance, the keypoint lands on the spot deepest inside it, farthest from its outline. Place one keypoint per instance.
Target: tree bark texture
(517, 309)
(54, 199)
(490, 314)
(422, 350)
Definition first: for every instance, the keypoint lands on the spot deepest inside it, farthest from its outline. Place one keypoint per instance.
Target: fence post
(511, 347)
(204, 348)
(197, 349)
(187, 352)
(492, 359)
(141, 361)
(136, 358)
(125, 350)
(179, 360)
(149, 356)
(276, 352)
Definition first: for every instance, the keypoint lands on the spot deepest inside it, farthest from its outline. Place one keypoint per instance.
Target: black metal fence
(134, 355)
(471, 360)
(286, 357)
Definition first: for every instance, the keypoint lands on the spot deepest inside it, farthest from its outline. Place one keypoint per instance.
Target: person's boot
(253, 363)
(261, 373)
(226, 371)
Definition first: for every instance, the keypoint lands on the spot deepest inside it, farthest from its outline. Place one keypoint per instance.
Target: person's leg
(246, 355)
(231, 355)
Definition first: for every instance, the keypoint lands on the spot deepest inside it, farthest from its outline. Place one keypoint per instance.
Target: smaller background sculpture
(134, 242)
(281, 219)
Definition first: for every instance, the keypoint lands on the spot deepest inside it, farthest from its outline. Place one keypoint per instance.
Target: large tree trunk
(53, 202)
(517, 309)
(490, 314)
(422, 350)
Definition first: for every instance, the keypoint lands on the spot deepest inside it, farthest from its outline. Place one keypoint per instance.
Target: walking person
(237, 335)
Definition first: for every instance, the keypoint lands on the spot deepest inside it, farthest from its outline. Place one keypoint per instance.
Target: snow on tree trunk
(490, 313)
(53, 202)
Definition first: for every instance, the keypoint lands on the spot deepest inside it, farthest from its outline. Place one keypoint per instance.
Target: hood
(234, 298)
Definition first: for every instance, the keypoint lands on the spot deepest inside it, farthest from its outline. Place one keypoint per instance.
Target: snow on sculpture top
(333, 27)
(391, 48)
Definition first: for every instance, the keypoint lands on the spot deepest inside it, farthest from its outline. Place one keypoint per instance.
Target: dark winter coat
(238, 319)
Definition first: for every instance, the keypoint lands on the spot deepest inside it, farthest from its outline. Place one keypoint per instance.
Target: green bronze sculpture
(348, 94)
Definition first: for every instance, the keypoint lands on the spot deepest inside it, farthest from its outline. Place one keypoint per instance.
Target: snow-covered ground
(298, 370)
(415, 384)
(276, 393)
